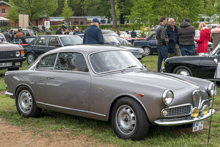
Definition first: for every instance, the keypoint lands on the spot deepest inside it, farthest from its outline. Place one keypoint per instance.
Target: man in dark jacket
(133, 35)
(76, 32)
(186, 35)
(93, 35)
(172, 32)
(58, 31)
(162, 42)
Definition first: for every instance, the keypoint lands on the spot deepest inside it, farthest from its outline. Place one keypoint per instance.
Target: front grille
(196, 98)
(178, 111)
(7, 54)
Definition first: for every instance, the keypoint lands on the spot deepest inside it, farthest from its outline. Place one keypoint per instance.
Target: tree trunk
(113, 14)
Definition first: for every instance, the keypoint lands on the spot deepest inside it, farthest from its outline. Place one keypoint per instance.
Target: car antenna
(213, 98)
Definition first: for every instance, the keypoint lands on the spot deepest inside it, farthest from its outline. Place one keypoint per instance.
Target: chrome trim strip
(203, 101)
(71, 109)
(181, 121)
(9, 93)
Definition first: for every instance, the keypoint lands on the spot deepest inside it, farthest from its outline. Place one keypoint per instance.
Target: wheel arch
(129, 96)
(22, 84)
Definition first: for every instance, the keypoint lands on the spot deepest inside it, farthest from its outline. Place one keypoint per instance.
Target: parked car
(109, 84)
(45, 43)
(109, 32)
(23, 40)
(113, 40)
(149, 45)
(11, 55)
(124, 34)
(202, 66)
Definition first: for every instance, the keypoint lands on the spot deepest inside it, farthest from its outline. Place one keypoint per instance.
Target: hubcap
(183, 72)
(146, 50)
(126, 119)
(25, 101)
(30, 58)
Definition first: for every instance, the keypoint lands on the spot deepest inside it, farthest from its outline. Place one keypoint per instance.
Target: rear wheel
(129, 120)
(25, 103)
(147, 51)
(30, 58)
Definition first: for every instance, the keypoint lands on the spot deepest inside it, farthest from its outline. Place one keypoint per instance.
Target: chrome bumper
(181, 121)
(9, 93)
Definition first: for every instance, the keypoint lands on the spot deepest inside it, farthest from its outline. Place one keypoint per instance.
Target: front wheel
(147, 51)
(30, 58)
(183, 70)
(129, 120)
(25, 103)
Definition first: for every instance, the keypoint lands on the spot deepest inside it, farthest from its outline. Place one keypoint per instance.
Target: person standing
(133, 35)
(19, 34)
(186, 35)
(215, 36)
(28, 33)
(162, 42)
(203, 39)
(93, 34)
(172, 32)
(12, 35)
(58, 31)
(81, 32)
(76, 32)
(8, 36)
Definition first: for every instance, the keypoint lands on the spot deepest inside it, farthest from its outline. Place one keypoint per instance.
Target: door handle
(48, 78)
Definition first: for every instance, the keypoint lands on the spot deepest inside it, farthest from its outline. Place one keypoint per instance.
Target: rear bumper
(181, 121)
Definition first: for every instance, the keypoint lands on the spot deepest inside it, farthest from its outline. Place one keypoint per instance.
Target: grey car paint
(93, 94)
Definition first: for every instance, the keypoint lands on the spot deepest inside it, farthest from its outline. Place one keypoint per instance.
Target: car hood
(10, 47)
(153, 79)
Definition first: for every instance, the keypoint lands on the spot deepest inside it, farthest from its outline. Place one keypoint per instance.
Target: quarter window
(71, 62)
(53, 41)
(42, 41)
(47, 62)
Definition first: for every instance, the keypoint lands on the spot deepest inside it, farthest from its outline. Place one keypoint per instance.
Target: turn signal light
(195, 112)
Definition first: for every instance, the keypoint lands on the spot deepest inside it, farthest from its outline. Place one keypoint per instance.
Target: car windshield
(107, 61)
(71, 40)
(110, 40)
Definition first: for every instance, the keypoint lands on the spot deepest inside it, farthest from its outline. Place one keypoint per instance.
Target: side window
(153, 37)
(72, 62)
(47, 62)
(42, 41)
(53, 41)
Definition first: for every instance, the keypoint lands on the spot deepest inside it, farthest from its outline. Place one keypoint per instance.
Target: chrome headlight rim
(17, 54)
(167, 100)
(212, 89)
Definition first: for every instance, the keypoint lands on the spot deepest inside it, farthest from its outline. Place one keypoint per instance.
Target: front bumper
(181, 121)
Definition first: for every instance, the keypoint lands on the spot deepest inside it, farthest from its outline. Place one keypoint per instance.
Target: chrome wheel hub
(183, 72)
(25, 101)
(126, 119)
(147, 51)
(30, 58)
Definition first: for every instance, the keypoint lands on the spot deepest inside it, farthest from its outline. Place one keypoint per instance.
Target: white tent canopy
(3, 18)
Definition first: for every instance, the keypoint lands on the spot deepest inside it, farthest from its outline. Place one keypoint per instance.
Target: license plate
(197, 126)
(5, 64)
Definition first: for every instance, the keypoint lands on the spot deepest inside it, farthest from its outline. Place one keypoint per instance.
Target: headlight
(168, 97)
(141, 51)
(212, 89)
(195, 112)
(205, 110)
(17, 54)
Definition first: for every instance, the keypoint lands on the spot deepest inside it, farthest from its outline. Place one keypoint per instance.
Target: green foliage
(67, 11)
(34, 8)
(13, 11)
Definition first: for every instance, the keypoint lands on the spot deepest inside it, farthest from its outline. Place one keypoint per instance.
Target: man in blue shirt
(93, 35)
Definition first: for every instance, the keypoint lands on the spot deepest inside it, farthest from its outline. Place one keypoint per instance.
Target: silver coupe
(108, 83)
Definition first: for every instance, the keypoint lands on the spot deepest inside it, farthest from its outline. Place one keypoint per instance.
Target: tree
(13, 12)
(67, 11)
(210, 9)
(113, 14)
(35, 8)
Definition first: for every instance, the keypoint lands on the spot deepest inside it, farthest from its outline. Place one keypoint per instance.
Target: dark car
(201, 66)
(11, 55)
(45, 43)
(23, 40)
(149, 45)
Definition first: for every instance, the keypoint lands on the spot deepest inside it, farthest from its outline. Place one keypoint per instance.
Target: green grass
(102, 131)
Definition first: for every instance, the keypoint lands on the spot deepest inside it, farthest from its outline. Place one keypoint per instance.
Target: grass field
(102, 131)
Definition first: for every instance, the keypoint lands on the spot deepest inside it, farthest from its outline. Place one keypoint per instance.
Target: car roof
(85, 49)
